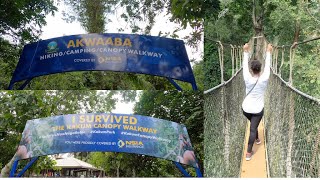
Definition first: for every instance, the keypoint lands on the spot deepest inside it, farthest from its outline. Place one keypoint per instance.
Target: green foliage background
(283, 22)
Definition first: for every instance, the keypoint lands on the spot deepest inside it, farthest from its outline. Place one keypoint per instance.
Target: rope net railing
(292, 128)
(292, 115)
(224, 129)
(292, 124)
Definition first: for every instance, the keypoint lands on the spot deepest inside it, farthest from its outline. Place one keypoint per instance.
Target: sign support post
(14, 167)
(175, 84)
(182, 170)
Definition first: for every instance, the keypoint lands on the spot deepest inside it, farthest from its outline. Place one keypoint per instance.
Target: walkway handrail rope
(220, 51)
(237, 57)
(222, 84)
(240, 55)
(298, 43)
(292, 53)
(282, 60)
(296, 90)
(302, 42)
(217, 41)
(275, 57)
(232, 57)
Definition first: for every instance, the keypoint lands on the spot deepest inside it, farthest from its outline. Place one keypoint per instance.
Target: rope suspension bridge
(290, 129)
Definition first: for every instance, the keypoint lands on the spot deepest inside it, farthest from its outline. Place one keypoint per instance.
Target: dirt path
(257, 166)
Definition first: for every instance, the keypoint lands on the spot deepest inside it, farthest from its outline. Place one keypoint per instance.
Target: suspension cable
(232, 58)
(217, 41)
(292, 53)
(302, 42)
(220, 51)
(282, 60)
(236, 56)
(276, 59)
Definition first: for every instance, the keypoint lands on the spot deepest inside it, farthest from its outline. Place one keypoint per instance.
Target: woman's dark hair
(256, 66)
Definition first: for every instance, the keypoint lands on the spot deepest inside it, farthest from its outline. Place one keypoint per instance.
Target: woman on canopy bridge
(253, 103)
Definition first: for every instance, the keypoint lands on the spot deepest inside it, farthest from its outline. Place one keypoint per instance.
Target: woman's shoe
(258, 141)
(249, 156)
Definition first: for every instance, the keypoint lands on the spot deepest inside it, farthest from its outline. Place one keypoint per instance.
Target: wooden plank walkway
(257, 166)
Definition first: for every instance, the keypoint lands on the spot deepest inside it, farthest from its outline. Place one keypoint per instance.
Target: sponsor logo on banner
(130, 144)
(121, 144)
(52, 47)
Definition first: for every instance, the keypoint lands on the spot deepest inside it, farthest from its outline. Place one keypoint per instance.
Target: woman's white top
(254, 102)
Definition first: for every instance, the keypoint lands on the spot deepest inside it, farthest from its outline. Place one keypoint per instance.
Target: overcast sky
(57, 27)
(124, 108)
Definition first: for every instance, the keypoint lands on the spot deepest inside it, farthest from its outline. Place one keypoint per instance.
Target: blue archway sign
(106, 132)
(141, 54)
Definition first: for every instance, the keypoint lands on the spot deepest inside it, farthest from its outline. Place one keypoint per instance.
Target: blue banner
(107, 132)
(105, 52)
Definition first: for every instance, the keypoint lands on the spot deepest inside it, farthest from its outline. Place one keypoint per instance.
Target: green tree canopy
(22, 20)
(182, 107)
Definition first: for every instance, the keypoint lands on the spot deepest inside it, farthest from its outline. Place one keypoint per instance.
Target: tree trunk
(297, 31)
(94, 12)
(134, 170)
(257, 20)
(257, 17)
(118, 169)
